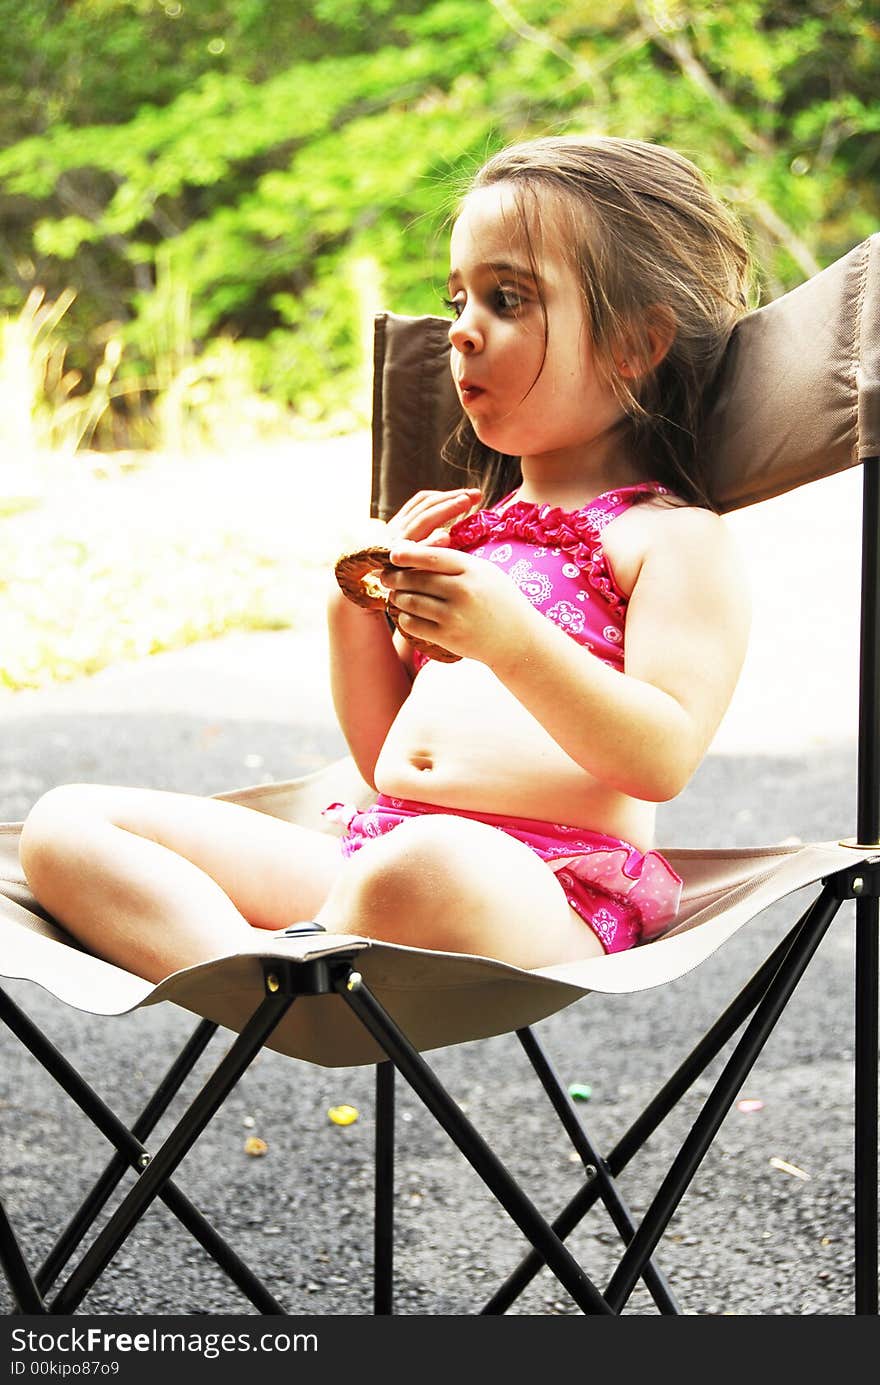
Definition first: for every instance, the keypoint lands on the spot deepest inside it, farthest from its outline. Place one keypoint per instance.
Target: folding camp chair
(798, 399)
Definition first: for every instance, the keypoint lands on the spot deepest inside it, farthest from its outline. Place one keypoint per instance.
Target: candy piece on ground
(580, 1091)
(343, 1115)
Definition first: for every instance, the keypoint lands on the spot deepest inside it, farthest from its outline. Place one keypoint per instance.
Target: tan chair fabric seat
(436, 998)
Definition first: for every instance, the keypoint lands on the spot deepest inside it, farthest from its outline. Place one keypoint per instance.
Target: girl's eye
(507, 301)
(503, 301)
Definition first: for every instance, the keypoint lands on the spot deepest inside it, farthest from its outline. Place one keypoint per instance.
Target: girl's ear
(641, 351)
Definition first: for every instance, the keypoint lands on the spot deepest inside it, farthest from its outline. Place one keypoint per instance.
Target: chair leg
(120, 1163)
(114, 1130)
(867, 830)
(161, 1166)
(867, 919)
(21, 1282)
(653, 1116)
(383, 1262)
(595, 1166)
(815, 924)
(493, 1173)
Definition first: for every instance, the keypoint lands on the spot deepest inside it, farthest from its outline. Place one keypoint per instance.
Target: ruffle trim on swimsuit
(577, 533)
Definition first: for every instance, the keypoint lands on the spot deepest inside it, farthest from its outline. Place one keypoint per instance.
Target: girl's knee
(420, 856)
(55, 823)
(426, 883)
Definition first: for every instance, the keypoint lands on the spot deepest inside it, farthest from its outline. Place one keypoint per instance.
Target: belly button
(422, 762)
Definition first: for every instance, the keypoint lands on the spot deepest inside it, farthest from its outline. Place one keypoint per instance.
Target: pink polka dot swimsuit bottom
(624, 895)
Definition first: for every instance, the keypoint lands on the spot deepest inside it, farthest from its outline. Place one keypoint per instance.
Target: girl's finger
(446, 502)
(438, 537)
(444, 499)
(410, 579)
(418, 626)
(428, 557)
(413, 507)
(421, 604)
(423, 499)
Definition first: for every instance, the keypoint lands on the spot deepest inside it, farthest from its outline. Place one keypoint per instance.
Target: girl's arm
(643, 731)
(370, 677)
(371, 672)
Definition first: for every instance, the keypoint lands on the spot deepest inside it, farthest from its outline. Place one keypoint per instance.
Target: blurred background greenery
(203, 202)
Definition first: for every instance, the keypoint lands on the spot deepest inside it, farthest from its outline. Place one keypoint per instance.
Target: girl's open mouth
(470, 392)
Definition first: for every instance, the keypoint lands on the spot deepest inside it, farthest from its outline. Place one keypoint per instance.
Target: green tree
(293, 164)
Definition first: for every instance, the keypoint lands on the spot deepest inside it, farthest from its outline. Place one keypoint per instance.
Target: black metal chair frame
(755, 1010)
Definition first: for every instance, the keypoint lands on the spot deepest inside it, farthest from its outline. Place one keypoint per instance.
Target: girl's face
(528, 391)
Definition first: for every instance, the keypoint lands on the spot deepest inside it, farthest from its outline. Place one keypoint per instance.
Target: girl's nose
(465, 334)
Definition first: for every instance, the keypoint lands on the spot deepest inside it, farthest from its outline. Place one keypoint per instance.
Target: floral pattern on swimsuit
(557, 560)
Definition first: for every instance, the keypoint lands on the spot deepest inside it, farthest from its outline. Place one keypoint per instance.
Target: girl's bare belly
(461, 740)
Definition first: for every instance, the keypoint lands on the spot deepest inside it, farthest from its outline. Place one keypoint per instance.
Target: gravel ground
(749, 1238)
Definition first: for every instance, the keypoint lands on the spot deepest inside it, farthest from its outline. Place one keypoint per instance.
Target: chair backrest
(797, 397)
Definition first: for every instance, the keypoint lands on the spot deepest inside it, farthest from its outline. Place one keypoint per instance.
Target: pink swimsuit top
(556, 558)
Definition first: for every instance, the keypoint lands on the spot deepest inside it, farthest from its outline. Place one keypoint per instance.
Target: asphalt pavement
(766, 1227)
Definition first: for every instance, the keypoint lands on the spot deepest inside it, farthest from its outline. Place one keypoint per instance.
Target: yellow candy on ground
(343, 1115)
(253, 1145)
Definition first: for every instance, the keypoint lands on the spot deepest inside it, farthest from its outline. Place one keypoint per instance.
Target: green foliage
(265, 151)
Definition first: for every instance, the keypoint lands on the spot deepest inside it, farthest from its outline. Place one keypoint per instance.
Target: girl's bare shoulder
(692, 534)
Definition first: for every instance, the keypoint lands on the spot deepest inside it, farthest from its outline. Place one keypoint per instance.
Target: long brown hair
(652, 246)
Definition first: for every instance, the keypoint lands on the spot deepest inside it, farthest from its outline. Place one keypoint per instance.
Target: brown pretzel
(360, 578)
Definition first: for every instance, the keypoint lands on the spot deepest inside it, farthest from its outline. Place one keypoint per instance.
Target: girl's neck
(549, 482)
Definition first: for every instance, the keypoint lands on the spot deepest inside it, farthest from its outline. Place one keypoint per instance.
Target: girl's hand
(423, 517)
(453, 599)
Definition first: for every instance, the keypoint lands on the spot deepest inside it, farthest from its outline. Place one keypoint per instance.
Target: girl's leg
(459, 886)
(155, 881)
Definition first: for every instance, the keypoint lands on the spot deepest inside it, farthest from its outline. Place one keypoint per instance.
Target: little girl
(595, 602)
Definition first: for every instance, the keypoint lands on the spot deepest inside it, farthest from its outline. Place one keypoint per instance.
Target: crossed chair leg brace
(763, 998)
